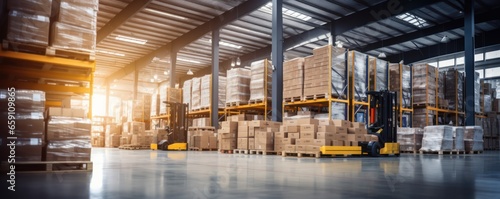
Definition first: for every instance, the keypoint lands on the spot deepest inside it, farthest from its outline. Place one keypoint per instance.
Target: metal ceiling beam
(225, 18)
(369, 15)
(482, 40)
(458, 23)
(122, 17)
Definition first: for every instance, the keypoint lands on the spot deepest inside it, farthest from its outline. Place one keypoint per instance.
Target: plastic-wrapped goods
(36, 7)
(473, 138)
(155, 104)
(293, 78)
(400, 76)
(410, 139)
(68, 128)
(238, 85)
(174, 95)
(222, 91)
(196, 93)
(458, 138)
(93, 4)
(357, 63)
(259, 78)
(73, 37)
(339, 111)
(477, 88)
(26, 101)
(437, 138)
(424, 84)
(454, 83)
(68, 150)
(441, 88)
(487, 103)
(319, 75)
(407, 88)
(205, 91)
(28, 149)
(421, 118)
(186, 93)
(85, 17)
(28, 28)
(378, 74)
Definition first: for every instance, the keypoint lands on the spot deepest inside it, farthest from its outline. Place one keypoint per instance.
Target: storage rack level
(358, 99)
(404, 111)
(58, 77)
(319, 104)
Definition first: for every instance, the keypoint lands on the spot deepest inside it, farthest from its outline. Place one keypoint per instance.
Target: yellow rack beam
(47, 59)
(161, 117)
(249, 106)
(46, 87)
(46, 74)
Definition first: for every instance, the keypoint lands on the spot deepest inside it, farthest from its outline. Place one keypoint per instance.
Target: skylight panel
(413, 19)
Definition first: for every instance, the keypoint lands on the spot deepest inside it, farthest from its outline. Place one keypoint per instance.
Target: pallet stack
(238, 87)
(437, 139)
(378, 71)
(458, 138)
(134, 133)
(491, 137)
(399, 81)
(186, 92)
(67, 135)
(473, 138)
(358, 66)
(410, 139)
(424, 94)
(196, 94)
(260, 82)
(206, 88)
(441, 100)
(202, 138)
(293, 79)
(477, 95)
(29, 22)
(454, 84)
(29, 124)
(112, 135)
(228, 135)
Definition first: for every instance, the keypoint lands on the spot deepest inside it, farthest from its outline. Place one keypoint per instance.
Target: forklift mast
(384, 110)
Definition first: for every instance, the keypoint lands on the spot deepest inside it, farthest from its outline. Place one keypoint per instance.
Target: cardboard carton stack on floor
(473, 138)
(202, 139)
(318, 75)
(135, 133)
(68, 135)
(228, 135)
(257, 135)
(21, 115)
(112, 135)
(437, 138)
(293, 78)
(410, 139)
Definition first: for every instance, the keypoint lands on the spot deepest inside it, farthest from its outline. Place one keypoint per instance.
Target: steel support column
(277, 59)
(173, 62)
(107, 99)
(136, 84)
(214, 102)
(469, 62)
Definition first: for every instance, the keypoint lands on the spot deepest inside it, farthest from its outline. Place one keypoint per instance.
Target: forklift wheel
(375, 149)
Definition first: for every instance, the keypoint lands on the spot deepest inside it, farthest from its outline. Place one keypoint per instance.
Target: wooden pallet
(49, 50)
(474, 152)
(413, 152)
(234, 104)
(316, 96)
(24, 47)
(292, 99)
(226, 151)
(301, 154)
(241, 151)
(201, 149)
(256, 101)
(453, 152)
(264, 152)
(134, 147)
(51, 166)
(204, 128)
(423, 105)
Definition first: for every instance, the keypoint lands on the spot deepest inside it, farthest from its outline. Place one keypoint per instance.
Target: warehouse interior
(117, 98)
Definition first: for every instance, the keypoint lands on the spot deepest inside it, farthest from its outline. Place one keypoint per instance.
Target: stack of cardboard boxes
(257, 135)
(238, 86)
(260, 76)
(112, 135)
(68, 135)
(135, 133)
(318, 75)
(196, 93)
(293, 78)
(228, 134)
(410, 139)
(186, 92)
(424, 93)
(202, 138)
(29, 21)
(206, 88)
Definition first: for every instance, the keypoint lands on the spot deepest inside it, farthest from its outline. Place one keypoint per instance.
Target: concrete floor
(193, 175)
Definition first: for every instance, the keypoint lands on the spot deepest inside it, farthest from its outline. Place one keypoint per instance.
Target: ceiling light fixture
(188, 60)
(238, 61)
(131, 39)
(339, 44)
(111, 53)
(445, 39)
(152, 80)
(223, 43)
(165, 72)
(269, 8)
(155, 76)
(165, 14)
(382, 55)
(190, 72)
(232, 63)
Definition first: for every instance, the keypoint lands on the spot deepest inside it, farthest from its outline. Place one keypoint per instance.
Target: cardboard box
(225, 135)
(358, 125)
(308, 128)
(340, 130)
(212, 142)
(273, 124)
(228, 144)
(312, 148)
(304, 141)
(251, 143)
(351, 130)
(242, 143)
(369, 137)
(322, 142)
(278, 148)
(257, 123)
(307, 121)
(292, 122)
(292, 129)
(310, 135)
(280, 135)
(294, 135)
(243, 131)
(325, 122)
(351, 143)
(325, 135)
(242, 123)
(326, 128)
(361, 131)
(337, 143)
(342, 137)
(290, 148)
(341, 123)
(355, 137)
(300, 148)
(288, 141)
(230, 126)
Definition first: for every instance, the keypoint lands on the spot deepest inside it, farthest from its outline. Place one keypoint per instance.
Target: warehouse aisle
(161, 174)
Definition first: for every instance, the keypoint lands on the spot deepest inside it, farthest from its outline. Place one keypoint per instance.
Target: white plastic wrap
(73, 37)
(222, 91)
(186, 92)
(317, 71)
(163, 97)
(77, 15)
(259, 78)
(338, 111)
(473, 138)
(293, 78)
(458, 138)
(477, 88)
(381, 75)
(407, 97)
(238, 85)
(437, 138)
(487, 103)
(196, 93)
(454, 89)
(398, 77)
(205, 93)
(424, 84)
(28, 28)
(37, 7)
(410, 139)
(154, 104)
(360, 74)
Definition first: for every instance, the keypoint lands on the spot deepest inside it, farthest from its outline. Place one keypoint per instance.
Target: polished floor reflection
(161, 174)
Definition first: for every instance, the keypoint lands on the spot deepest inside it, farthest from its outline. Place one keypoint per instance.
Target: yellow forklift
(383, 115)
(176, 128)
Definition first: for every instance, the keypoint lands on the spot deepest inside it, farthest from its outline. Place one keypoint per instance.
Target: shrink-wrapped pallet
(328, 69)
(437, 138)
(358, 66)
(205, 91)
(76, 14)
(423, 117)
(424, 84)
(196, 93)
(260, 78)
(442, 101)
(293, 78)
(378, 74)
(186, 92)
(28, 28)
(454, 87)
(73, 37)
(477, 96)
(238, 86)
(35, 7)
(401, 77)
(458, 138)
(68, 139)
(473, 138)
(410, 139)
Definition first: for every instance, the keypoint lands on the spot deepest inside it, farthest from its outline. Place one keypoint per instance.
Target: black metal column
(136, 84)
(173, 62)
(469, 62)
(214, 102)
(277, 59)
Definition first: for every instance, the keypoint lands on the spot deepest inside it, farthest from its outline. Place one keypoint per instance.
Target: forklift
(176, 128)
(383, 118)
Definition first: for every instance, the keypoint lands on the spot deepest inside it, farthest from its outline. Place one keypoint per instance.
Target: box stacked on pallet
(112, 135)
(202, 138)
(134, 131)
(158, 135)
(319, 77)
(29, 21)
(358, 65)
(400, 78)
(155, 104)
(424, 84)
(244, 136)
(442, 101)
(228, 134)
(454, 83)
(196, 93)
(293, 79)
(260, 76)
(68, 135)
(473, 138)
(437, 139)
(410, 139)
(423, 117)
(22, 117)
(238, 86)
(75, 27)
(186, 92)
(377, 73)
(264, 134)
(458, 138)
(477, 95)
(205, 91)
